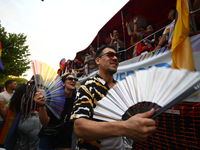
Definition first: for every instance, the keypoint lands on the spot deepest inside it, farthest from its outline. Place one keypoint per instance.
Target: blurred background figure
(29, 124)
(90, 61)
(2, 88)
(166, 39)
(5, 96)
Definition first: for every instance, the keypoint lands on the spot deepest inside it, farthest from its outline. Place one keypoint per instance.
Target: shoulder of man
(90, 79)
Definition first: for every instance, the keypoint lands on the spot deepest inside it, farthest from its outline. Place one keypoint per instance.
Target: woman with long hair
(47, 119)
(29, 125)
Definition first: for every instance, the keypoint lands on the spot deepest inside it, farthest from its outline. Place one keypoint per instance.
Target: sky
(57, 29)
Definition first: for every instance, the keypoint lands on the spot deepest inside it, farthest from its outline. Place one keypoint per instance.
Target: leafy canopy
(14, 54)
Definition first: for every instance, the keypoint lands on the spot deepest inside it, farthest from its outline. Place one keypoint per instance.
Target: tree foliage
(14, 53)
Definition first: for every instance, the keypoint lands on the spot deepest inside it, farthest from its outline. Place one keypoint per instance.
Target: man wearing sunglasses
(95, 135)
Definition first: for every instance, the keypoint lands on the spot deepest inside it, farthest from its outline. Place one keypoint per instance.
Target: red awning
(155, 11)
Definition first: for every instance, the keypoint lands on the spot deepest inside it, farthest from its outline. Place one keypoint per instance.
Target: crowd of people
(79, 131)
(36, 127)
(143, 39)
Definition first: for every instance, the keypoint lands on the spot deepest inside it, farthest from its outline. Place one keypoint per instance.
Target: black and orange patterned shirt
(90, 91)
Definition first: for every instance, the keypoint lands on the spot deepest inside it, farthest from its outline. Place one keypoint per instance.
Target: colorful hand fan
(49, 83)
(158, 88)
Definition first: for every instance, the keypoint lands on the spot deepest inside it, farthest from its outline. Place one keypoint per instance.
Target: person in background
(95, 135)
(169, 30)
(89, 60)
(14, 105)
(29, 124)
(64, 141)
(2, 88)
(5, 96)
(79, 68)
(136, 36)
(149, 38)
(118, 44)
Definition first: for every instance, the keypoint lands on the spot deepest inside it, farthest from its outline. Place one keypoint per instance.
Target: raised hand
(135, 19)
(111, 36)
(39, 98)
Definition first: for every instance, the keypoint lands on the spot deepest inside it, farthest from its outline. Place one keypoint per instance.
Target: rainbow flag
(181, 47)
(7, 126)
(134, 51)
(1, 65)
(167, 32)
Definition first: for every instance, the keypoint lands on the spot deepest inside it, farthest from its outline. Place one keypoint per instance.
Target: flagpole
(122, 16)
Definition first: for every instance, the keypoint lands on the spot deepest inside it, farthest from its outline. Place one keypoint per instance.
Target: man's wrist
(42, 105)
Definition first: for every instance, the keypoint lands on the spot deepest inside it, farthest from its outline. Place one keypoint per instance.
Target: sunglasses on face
(71, 79)
(110, 55)
(149, 27)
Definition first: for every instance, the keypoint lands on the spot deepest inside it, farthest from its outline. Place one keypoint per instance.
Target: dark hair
(173, 8)
(1, 88)
(103, 44)
(15, 101)
(153, 26)
(99, 51)
(73, 93)
(145, 28)
(8, 82)
(65, 76)
(27, 100)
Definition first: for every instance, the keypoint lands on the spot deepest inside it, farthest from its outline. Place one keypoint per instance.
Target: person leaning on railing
(168, 32)
(90, 60)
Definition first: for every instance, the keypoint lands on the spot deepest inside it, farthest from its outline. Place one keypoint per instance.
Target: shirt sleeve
(83, 106)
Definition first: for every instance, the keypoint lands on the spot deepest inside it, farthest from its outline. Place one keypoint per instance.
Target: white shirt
(115, 143)
(169, 30)
(5, 96)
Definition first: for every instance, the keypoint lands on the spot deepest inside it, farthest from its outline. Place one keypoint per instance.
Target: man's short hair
(8, 82)
(99, 51)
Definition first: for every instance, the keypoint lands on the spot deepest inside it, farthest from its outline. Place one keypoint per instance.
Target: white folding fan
(49, 83)
(158, 88)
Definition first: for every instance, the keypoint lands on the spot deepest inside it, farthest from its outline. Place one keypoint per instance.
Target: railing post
(192, 19)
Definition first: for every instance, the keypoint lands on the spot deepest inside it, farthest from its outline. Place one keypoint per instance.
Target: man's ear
(97, 60)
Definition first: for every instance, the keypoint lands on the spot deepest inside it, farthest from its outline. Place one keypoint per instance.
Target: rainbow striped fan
(158, 88)
(49, 83)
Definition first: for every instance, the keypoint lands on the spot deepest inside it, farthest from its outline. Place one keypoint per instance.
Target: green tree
(14, 54)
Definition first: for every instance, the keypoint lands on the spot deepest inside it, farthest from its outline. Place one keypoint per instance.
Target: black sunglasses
(110, 55)
(71, 79)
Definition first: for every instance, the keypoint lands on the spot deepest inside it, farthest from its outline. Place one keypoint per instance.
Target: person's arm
(129, 29)
(138, 128)
(44, 118)
(160, 43)
(112, 39)
(2, 108)
(136, 33)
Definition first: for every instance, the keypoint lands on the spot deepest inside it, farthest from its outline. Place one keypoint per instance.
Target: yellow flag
(181, 47)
